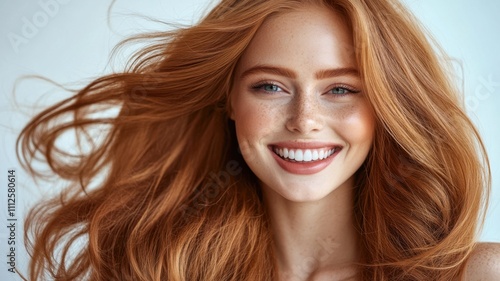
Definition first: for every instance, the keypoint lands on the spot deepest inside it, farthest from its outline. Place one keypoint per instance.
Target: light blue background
(71, 42)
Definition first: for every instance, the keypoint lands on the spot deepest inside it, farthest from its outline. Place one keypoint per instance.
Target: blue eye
(271, 88)
(267, 87)
(341, 91)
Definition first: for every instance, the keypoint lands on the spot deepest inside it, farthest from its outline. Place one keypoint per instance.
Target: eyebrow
(322, 74)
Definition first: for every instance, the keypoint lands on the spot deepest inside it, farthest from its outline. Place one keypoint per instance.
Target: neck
(312, 237)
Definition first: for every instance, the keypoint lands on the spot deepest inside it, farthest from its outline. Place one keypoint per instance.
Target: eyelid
(351, 89)
(258, 86)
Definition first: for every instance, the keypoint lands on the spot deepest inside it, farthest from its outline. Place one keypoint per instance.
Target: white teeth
(300, 155)
(307, 155)
(321, 154)
(315, 155)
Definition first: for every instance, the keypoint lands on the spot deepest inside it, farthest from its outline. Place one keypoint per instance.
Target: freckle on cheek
(344, 112)
(349, 112)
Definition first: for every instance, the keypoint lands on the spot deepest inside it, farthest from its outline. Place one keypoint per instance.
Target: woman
(274, 140)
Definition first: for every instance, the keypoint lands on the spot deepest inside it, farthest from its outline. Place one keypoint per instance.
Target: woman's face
(303, 124)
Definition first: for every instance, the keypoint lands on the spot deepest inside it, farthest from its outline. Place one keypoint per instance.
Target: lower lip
(304, 168)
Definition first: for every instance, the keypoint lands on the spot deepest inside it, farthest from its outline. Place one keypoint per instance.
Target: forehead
(311, 36)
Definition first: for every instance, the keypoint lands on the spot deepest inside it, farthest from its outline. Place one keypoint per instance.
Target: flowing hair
(176, 200)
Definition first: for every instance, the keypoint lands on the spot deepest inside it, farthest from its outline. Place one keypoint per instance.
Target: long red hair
(172, 199)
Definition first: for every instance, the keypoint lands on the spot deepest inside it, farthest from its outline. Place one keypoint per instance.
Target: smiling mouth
(304, 155)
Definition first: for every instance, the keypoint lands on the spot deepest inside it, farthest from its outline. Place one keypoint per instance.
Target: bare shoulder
(484, 263)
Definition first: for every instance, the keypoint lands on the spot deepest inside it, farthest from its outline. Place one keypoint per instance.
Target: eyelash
(350, 90)
(260, 88)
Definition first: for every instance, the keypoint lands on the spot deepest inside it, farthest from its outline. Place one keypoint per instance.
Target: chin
(302, 194)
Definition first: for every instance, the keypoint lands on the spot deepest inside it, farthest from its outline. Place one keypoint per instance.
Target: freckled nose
(304, 116)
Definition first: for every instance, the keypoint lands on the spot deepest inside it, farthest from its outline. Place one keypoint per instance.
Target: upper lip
(305, 144)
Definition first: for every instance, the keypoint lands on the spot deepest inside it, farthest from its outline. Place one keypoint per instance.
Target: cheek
(253, 119)
(357, 124)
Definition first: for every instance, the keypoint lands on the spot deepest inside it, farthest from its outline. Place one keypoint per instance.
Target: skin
(484, 263)
(312, 215)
